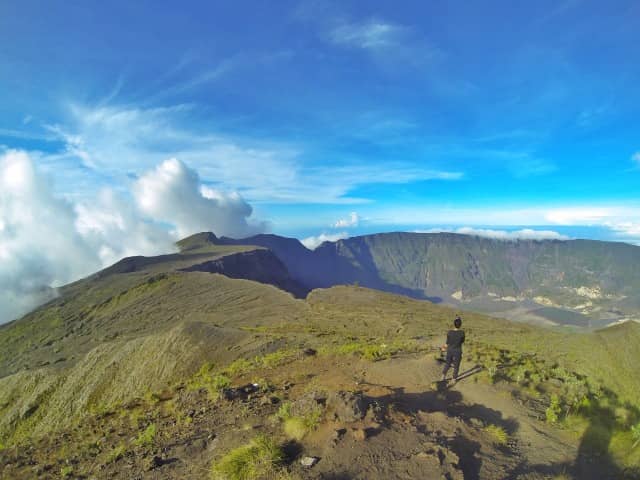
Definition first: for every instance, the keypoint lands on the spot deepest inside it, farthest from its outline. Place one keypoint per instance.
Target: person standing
(455, 339)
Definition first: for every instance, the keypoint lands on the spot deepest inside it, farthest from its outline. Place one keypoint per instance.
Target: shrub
(552, 412)
(275, 359)
(576, 393)
(66, 471)
(214, 383)
(498, 434)
(284, 412)
(258, 459)
(297, 426)
(147, 437)
(635, 434)
(492, 371)
(239, 367)
(116, 454)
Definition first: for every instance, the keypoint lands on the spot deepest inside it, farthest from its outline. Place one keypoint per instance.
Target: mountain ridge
(584, 283)
(172, 342)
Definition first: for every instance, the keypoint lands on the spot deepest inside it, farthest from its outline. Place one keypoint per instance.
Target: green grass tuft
(499, 435)
(258, 459)
(635, 435)
(116, 454)
(66, 471)
(147, 437)
(297, 426)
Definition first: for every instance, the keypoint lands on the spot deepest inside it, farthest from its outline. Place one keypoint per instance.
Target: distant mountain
(574, 282)
(158, 367)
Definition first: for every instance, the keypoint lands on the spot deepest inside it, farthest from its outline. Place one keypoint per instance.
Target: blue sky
(337, 118)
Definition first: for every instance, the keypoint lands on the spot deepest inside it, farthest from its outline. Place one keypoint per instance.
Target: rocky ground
(388, 419)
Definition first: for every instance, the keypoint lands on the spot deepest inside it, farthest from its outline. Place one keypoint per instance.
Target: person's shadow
(593, 460)
(450, 402)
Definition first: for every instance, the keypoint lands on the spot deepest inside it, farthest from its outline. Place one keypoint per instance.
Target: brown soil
(413, 428)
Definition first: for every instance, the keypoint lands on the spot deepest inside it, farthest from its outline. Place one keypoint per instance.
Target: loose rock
(309, 462)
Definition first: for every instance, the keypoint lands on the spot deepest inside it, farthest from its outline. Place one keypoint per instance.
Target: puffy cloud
(636, 158)
(524, 234)
(39, 245)
(47, 241)
(114, 229)
(314, 242)
(173, 193)
(352, 221)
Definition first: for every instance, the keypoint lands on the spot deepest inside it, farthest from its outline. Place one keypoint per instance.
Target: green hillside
(133, 337)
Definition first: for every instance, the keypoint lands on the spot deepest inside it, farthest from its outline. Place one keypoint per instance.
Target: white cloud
(47, 241)
(629, 231)
(113, 229)
(369, 35)
(579, 215)
(571, 215)
(314, 242)
(352, 221)
(116, 141)
(173, 193)
(388, 43)
(636, 158)
(523, 234)
(39, 246)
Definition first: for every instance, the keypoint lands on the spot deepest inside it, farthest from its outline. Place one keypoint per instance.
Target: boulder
(347, 407)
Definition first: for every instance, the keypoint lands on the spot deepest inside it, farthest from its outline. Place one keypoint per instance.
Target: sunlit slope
(136, 296)
(146, 323)
(124, 335)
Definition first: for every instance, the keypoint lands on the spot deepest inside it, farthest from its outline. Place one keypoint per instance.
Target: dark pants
(453, 358)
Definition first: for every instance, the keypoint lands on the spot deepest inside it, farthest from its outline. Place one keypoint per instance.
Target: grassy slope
(119, 335)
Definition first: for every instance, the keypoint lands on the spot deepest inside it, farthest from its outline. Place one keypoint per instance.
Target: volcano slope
(166, 367)
(581, 284)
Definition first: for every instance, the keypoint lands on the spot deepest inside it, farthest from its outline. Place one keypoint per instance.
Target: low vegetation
(147, 437)
(261, 458)
(498, 434)
(297, 425)
(66, 471)
(571, 400)
(116, 454)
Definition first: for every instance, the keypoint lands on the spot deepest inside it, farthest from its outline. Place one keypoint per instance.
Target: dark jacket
(455, 339)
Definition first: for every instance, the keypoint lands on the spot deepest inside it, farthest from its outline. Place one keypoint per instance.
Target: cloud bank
(47, 241)
(352, 221)
(314, 242)
(524, 234)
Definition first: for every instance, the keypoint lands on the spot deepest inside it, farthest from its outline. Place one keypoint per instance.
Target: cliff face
(564, 281)
(258, 265)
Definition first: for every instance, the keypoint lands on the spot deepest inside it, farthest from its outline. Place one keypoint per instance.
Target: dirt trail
(414, 427)
(532, 447)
